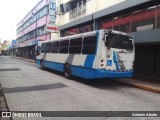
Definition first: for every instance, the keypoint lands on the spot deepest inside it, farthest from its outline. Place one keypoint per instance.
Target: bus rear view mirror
(107, 41)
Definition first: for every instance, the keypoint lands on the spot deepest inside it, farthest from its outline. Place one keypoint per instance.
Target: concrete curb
(3, 104)
(141, 86)
(26, 60)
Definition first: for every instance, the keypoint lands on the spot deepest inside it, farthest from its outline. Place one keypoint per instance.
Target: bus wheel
(67, 71)
(42, 65)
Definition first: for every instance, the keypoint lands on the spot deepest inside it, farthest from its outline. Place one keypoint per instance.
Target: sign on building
(51, 28)
(13, 43)
(52, 11)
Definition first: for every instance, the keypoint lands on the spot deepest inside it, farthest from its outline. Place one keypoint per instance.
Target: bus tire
(42, 65)
(67, 71)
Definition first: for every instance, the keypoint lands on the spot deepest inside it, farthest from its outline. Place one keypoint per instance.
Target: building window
(144, 19)
(41, 30)
(76, 8)
(68, 8)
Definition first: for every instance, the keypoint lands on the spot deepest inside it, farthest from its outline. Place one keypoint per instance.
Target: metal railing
(80, 10)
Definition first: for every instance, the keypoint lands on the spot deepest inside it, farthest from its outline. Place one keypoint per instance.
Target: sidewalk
(141, 83)
(29, 60)
(145, 83)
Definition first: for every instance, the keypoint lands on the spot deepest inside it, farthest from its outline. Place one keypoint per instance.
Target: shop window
(125, 28)
(81, 30)
(144, 19)
(125, 25)
(72, 32)
(158, 16)
(75, 46)
(116, 28)
(116, 23)
(107, 23)
(88, 28)
(89, 45)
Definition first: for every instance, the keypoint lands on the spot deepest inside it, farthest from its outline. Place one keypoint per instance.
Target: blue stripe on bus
(90, 58)
(84, 72)
(87, 73)
(89, 61)
(54, 65)
(96, 73)
(37, 61)
(115, 61)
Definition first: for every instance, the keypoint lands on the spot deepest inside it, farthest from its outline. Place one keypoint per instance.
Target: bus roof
(85, 34)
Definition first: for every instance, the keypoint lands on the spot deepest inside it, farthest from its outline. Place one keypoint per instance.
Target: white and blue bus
(96, 54)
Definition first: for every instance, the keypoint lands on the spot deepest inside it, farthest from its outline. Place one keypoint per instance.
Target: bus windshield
(119, 41)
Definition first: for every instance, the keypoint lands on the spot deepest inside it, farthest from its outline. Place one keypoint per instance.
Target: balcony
(77, 12)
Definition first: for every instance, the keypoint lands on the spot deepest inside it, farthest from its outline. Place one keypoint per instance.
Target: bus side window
(48, 47)
(75, 46)
(43, 48)
(64, 46)
(89, 45)
(55, 47)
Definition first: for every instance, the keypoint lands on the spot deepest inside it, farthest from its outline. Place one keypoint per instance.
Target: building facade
(138, 17)
(11, 48)
(38, 25)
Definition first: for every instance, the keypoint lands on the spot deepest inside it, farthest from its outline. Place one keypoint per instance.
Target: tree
(3, 45)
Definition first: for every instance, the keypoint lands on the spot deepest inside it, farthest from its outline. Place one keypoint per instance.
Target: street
(28, 88)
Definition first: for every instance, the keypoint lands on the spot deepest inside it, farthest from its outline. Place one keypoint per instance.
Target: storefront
(147, 60)
(26, 49)
(141, 19)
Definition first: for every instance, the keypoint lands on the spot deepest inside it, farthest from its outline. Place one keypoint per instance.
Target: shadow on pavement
(97, 83)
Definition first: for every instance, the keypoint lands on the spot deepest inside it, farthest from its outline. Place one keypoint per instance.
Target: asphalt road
(28, 88)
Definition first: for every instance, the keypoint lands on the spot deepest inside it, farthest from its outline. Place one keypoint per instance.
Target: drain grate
(10, 69)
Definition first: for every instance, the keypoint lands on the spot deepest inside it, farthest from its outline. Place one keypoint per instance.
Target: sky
(11, 13)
